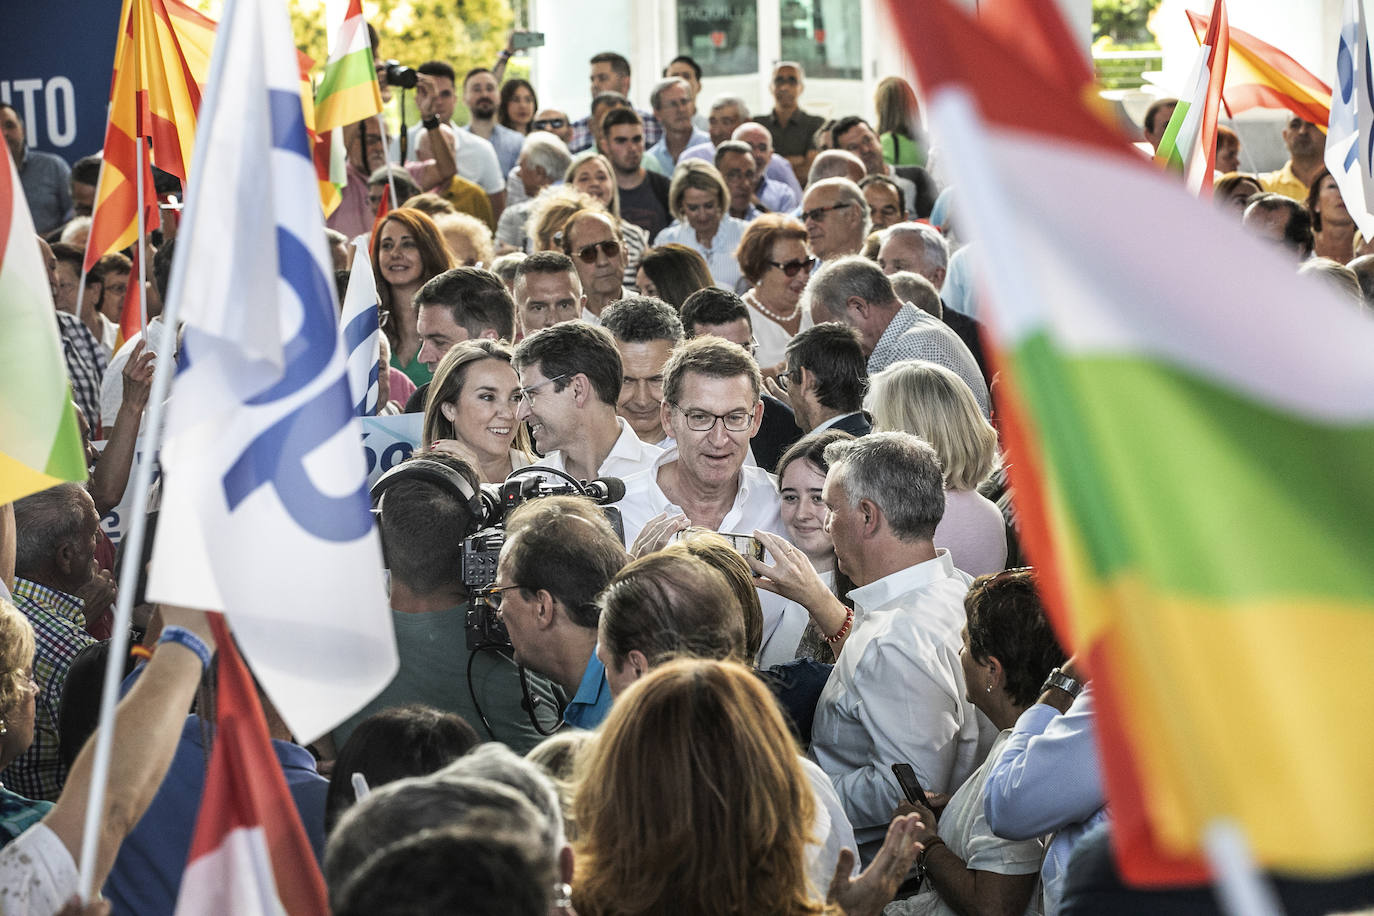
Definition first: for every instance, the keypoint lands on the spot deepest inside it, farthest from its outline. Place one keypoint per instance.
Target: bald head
(836, 163)
(760, 143)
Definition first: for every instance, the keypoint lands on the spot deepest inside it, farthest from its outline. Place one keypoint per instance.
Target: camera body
(484, 628)
(398, 74)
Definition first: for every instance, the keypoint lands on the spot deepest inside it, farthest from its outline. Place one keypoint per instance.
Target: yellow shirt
(1284, 182)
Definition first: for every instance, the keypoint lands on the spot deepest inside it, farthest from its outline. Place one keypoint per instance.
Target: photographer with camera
(571, 377)
(560, 552)
(425, 516)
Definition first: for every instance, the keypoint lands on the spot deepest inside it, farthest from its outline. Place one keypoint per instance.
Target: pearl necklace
(753, 300)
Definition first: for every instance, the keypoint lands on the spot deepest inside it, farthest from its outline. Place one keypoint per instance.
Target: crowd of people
(797, 669)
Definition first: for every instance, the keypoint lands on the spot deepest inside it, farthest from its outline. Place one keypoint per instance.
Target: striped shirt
(59, 630)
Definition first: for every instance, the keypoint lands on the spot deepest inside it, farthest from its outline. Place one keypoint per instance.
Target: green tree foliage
(1124, 22)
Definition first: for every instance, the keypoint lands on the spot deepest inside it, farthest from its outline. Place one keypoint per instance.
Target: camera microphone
(606, 489)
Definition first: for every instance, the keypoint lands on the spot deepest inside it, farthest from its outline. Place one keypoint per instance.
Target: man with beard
(482, 95)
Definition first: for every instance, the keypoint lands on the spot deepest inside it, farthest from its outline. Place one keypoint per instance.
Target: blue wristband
(184, 637)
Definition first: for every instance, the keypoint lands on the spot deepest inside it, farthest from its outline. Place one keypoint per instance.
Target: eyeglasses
(794, 267)
(587, 253)
(527, 394)
(550, 123)
(703, 421)
(818, 213)
(785, 81)
(785, 379)
(493, 594)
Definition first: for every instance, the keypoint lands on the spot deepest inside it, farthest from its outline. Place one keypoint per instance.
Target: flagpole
(142, 250)
(1240, 888)
(138, 523)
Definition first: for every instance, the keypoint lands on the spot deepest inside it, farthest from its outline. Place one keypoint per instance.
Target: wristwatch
(1065, 683)
(431, 122)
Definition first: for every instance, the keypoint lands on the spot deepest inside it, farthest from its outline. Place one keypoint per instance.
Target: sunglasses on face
(792, 268)
(587, 253)
(550, 124)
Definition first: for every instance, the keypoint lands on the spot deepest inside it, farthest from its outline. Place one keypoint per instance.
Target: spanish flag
(162, 59)
(1259, 75)
(1188, 454)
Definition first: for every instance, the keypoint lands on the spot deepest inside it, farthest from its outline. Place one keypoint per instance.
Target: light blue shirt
(507, 144)
(592, 702)
(659, 151)
(719, 255)
(1047, 778)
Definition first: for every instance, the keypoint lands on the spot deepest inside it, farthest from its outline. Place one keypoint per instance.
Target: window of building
(721, 35)
(824, 36)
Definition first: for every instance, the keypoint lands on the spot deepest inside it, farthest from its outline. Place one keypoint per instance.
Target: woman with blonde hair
(18, 695)
(592, 173)
(407, 252)
(551, 210)
(932, 402)
(699, 201)
(471, 407)
(469, 239)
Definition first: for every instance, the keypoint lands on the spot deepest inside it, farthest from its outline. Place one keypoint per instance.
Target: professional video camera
(481, 550)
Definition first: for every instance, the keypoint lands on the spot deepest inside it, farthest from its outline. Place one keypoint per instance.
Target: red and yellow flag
(162, 59)
(1259, 75)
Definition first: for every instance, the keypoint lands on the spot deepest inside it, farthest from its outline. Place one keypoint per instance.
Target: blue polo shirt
(593, 699)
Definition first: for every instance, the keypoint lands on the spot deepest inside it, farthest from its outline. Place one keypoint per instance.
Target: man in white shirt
(646, 330)
(570, 375)
(476, 157)
(897, 692)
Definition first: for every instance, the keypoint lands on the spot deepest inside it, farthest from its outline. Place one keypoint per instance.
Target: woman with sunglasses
(699, 201)
(592, 174)
(774, 259)
(518, 105)
(471, 410)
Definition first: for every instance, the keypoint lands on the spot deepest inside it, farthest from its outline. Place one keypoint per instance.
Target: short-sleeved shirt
(468, 197)
(475, 157)
(665, 160)
(795, 137)
(646, 205)
(507, 144)
(719, 255)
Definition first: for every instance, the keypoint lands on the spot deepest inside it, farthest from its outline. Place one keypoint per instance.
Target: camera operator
(560, 552)
(422, 526)
(571, 374)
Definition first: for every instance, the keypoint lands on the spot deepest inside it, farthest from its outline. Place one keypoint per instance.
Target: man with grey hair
(898, 693)
(543, 160)
(730, 121)
(835, 163)
(922, 249)
(56, 531)
(855, 291)
(836, 218)
(673, 106)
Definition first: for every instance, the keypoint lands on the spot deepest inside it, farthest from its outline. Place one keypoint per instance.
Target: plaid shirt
(59, 630)
(582, 132)
(86, 362)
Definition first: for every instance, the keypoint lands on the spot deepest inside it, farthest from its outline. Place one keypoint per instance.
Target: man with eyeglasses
(592, 239)
(559, 554)
(793, 130)
(711, 406)
(570, 378)
(646, 330)
(836, 218)
(674, 108)
(715, 312)
(643, 194)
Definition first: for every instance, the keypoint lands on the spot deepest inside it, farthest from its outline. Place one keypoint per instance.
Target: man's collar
(893, 586)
